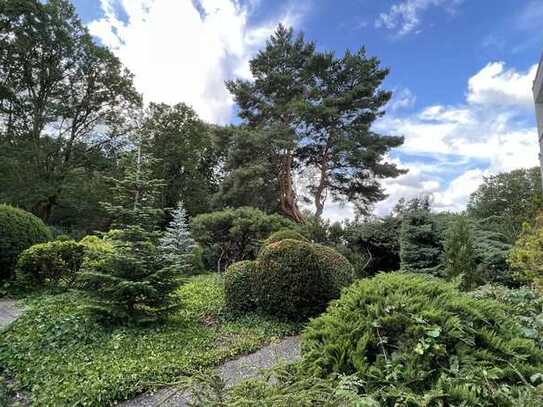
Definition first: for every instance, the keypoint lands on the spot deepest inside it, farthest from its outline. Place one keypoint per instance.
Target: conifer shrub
(130, 283)
(284, 234)
(51, 264)
(414, 339)
(238, 286)
(296, 279)
(18, 231)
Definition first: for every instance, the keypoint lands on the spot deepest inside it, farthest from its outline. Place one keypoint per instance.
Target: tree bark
(288, 200)
(320, 193)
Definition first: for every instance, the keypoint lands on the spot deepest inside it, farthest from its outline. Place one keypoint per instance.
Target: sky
(461, 72)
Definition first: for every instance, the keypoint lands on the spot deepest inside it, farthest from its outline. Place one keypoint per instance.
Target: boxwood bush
(416, 340)
(18, 231)
(238, 286)
(296, 279)
(50, 264)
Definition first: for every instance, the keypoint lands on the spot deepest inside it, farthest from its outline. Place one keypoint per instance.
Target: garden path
(231, 372)
(9, 312)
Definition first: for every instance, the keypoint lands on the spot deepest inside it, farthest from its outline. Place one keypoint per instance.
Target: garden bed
(59, 356)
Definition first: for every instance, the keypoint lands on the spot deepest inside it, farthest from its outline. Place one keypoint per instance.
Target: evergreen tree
(460, 253)
(420, 243)
(176, 246)
(130, 282)
(135, 195)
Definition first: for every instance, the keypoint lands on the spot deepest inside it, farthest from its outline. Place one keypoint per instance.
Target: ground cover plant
(60, 356)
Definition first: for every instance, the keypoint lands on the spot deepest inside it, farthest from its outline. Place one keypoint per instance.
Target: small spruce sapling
(176, 247)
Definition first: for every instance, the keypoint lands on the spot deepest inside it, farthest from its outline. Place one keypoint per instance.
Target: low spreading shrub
(18, 231)
(238, 286)
(284, 234)
(296, 279)
(416, 340)
(233, 235)
(51, 264)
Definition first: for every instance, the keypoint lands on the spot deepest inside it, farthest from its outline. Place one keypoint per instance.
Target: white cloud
(401, 99)
(184, 50)
(456, 146)
(405, 17)
(494, 85)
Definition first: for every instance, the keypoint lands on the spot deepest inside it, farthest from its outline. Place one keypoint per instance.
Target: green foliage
(460, 257)
(526, 256)
(52, 143)
(61, 357)
(416, 340)
(507, 200)
(420, 243)
(282, 386)
(284, 234)
(133, 199)
(51, 264)
(296, 279)
(525, 304)
(130, 282)
(232, 235)
(239, 280)
(378, 241)
(20, 230)
(188, 158)
(250, 168)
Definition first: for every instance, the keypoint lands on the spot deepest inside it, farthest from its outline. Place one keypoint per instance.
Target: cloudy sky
(461, 72)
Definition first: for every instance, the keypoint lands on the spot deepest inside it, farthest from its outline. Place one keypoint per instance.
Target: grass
(61, 356)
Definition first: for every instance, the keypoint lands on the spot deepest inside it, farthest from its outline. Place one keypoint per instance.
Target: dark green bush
(18, 231)
(238, 286)
(284, 234)
(51, 264)
(296, 279)
(234, 234)
(416, 340)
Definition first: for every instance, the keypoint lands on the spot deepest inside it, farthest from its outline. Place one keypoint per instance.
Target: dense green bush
(415, 340)
(284, 234)
(296, 279)
(238, 286)
(421, 247)
(232, 235)
(18, 231)
(51, 264)
(377, 241)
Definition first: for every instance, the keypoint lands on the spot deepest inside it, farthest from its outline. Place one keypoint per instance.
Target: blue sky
(461, 72)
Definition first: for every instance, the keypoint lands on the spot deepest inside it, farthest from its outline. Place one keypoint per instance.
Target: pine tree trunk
(320, 193)
(288, 200)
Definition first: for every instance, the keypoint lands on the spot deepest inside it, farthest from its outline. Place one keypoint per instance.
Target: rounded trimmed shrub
(18, 231)
(296, 279)
(284, 234)
(413, 339)
(50, 264)
(238, 286)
